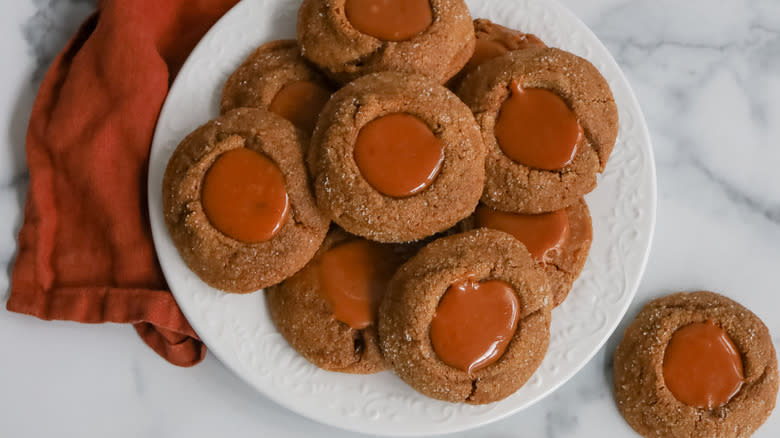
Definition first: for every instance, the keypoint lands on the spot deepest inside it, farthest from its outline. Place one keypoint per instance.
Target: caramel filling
(536, 128)
(542, 234)
(353, 279)
(244, 195)
(702, 367)
(474, 323)
(301, 103)
(389, 20)
(398, 154)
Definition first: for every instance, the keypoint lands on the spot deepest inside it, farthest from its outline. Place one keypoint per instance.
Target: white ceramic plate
(237, 328)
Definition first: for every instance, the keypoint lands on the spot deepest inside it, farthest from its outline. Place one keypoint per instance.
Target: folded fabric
(85, 248)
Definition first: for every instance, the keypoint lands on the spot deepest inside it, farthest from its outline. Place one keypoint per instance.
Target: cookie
(237, 201)
(351, 38)
(396, 158)
(277, 78)
(558, 241)
(696, 365)
(494, 40)
(481, 287)
(549, 122)
(327, 310)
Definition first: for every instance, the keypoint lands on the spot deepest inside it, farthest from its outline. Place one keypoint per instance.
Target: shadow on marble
(19, 182)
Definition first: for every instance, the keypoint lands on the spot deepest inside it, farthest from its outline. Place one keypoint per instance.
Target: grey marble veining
(53, 24)
(706, 75)
(44, 33)
(714, 94)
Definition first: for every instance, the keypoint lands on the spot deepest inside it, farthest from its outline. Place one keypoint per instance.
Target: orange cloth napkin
(85, 248)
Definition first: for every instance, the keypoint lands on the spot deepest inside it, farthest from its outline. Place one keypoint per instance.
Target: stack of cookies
(407, 186)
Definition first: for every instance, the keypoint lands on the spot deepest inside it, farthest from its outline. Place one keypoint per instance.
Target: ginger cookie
(549, 122)
(351, 38)
(237, 201)
(467, 319)
(327, 310)
(494, 40)
(559, 241)
(696, 365)
(277, 78)
(396, 158)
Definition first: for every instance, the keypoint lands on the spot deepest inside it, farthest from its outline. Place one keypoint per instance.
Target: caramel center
(540, 233)
(702, 367)
(244, 195)
(398, 154)
(389, 20)
(300, 102)
(474, 323)
(536, 128)
(353, 279)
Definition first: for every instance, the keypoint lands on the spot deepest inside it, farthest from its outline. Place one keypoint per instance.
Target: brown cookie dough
(512, 186)
(414, 294)
(221, 261)
(494, 40)
(344, 194)
(305, 318)
(642, 393)
(266, 72)
(563, 264)
(330, 40)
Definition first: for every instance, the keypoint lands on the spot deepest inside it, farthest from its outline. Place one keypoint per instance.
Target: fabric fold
(85, 248)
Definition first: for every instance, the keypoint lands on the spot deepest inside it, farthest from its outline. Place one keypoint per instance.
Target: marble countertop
(706, 75)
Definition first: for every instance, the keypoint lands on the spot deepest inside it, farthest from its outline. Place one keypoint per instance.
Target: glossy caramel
(702, 366)
(474, 323)
(301, 103)
(542, 234)
(244, 196)
(353, 279)
(398, 154)
(536, 128)
(389, 20)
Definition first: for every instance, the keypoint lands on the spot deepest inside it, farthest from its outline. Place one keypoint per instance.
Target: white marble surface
(706, 74)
